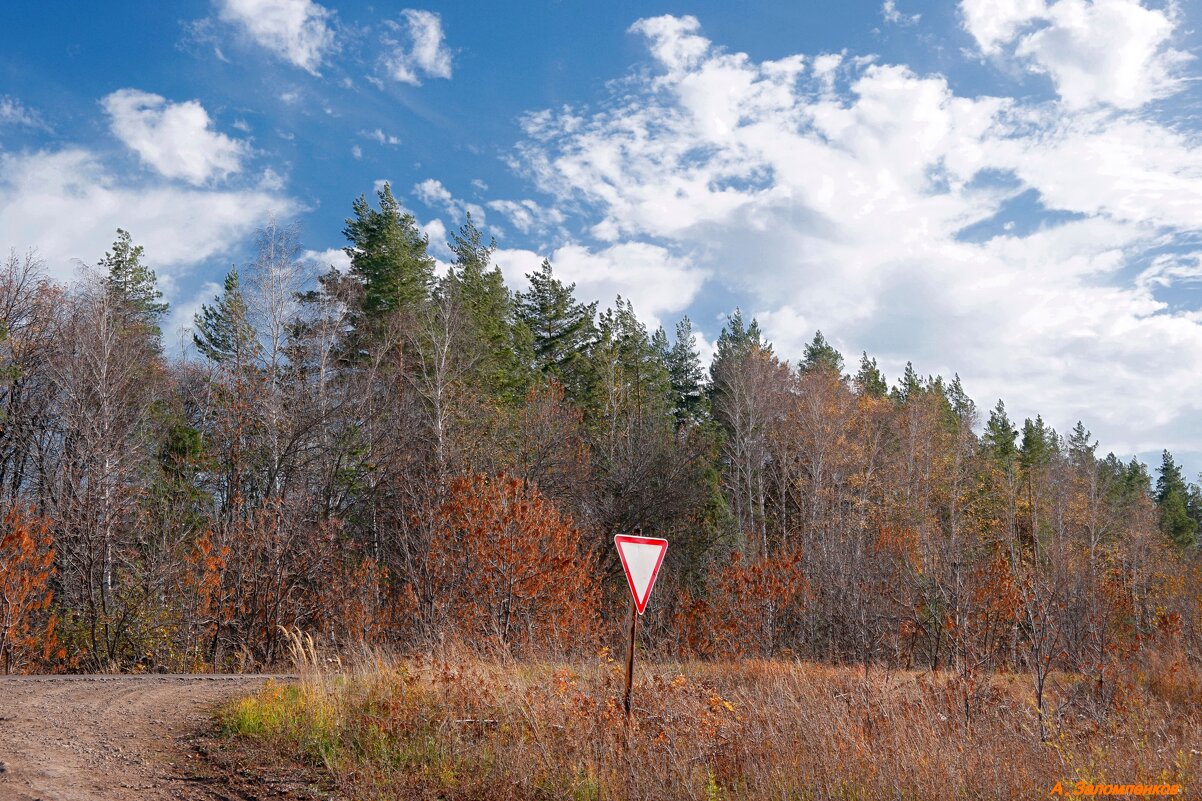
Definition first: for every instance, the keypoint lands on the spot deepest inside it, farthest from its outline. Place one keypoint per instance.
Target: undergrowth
(461, 727)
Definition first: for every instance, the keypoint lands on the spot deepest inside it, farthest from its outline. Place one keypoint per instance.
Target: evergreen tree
(870, 380)
(562, 330)
(132, 283)
(820, 354)
(1000, 437)
(632, 377)
(478, 290)
(736, 340)
(909, 386)
(1038, 444)
(388, 255)
(1081, 446)
(223, 331)
(686, 374)
(963, 406)
(1172, 497)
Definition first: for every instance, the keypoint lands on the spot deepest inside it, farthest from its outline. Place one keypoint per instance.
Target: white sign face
(641, 558)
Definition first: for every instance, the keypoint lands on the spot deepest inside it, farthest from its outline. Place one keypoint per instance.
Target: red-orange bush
(27, 624)
(510, 569)
(749, 606)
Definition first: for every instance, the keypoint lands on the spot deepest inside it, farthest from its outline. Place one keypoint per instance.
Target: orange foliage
(352, 604)
(749, 606)
(510, 569)
(27, 625)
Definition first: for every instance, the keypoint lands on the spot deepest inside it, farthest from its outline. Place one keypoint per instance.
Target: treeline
(394, 455)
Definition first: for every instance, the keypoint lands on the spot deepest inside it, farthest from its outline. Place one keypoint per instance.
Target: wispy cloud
(14, 112)
(895, 16)
(421, 50)
(298, 31)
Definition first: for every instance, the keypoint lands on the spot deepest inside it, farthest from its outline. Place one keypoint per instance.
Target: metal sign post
(641, 558)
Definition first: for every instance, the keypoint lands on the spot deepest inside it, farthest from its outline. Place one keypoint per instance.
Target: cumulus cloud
(298, 31)
(844, 206)
(421, 50)
(174, 139)
(1113, 52)
(332, 257)
(654, 279)
(179, 226)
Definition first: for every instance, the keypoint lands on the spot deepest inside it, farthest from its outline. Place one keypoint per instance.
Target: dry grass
(458, 727)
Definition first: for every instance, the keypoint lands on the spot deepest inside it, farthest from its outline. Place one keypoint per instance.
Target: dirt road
(118, 738)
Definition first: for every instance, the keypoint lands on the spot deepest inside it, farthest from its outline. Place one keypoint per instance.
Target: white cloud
(357, 151)
(175, 139)
(892, 14)
(14, 112)
(325, 259)
(178, 226)
(298, 31)
(422, 51)
(527, 216)
(657, 282)
(1113, 52)
(432, 193)
(181, 317)
(840, 206)
(994, 23)
(380, 137)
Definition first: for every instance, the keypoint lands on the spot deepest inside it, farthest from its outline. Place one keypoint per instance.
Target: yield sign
(641, 558)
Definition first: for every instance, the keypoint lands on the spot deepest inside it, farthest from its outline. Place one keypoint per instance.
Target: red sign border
(635, 539)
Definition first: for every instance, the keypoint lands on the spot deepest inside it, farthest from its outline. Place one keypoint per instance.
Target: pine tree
(1000, 437)
(963, 406)
(686, 374)
(1172, 497)
(223, 331)
(870, 380)
(821, 354)
(631, 366)
(1038, 444)
(388, 255)
(736, 340)
(132, 283)
(1081, 446)
(478, 290)
(562, 329)
(910, 385)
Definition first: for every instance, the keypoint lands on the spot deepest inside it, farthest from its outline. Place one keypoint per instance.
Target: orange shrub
(749, 607)
(511, 570)
(27, 625)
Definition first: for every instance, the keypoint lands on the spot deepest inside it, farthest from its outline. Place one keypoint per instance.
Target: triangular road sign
(641, 558)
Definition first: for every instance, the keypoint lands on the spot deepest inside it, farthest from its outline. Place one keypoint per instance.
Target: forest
(399, 455)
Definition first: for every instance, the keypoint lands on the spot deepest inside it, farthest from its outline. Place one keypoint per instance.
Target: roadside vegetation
(457, 726)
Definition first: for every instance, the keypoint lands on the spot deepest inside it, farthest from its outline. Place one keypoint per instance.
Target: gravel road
(118, 738)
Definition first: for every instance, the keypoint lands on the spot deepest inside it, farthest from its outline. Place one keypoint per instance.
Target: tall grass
(459, 727)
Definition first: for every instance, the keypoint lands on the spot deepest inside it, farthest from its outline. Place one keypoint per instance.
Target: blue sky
(1007, 189)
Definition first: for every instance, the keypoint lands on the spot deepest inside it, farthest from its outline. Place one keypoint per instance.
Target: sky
(1008, 190)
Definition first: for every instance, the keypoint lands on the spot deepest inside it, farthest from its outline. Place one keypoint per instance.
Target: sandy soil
(121, 738)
